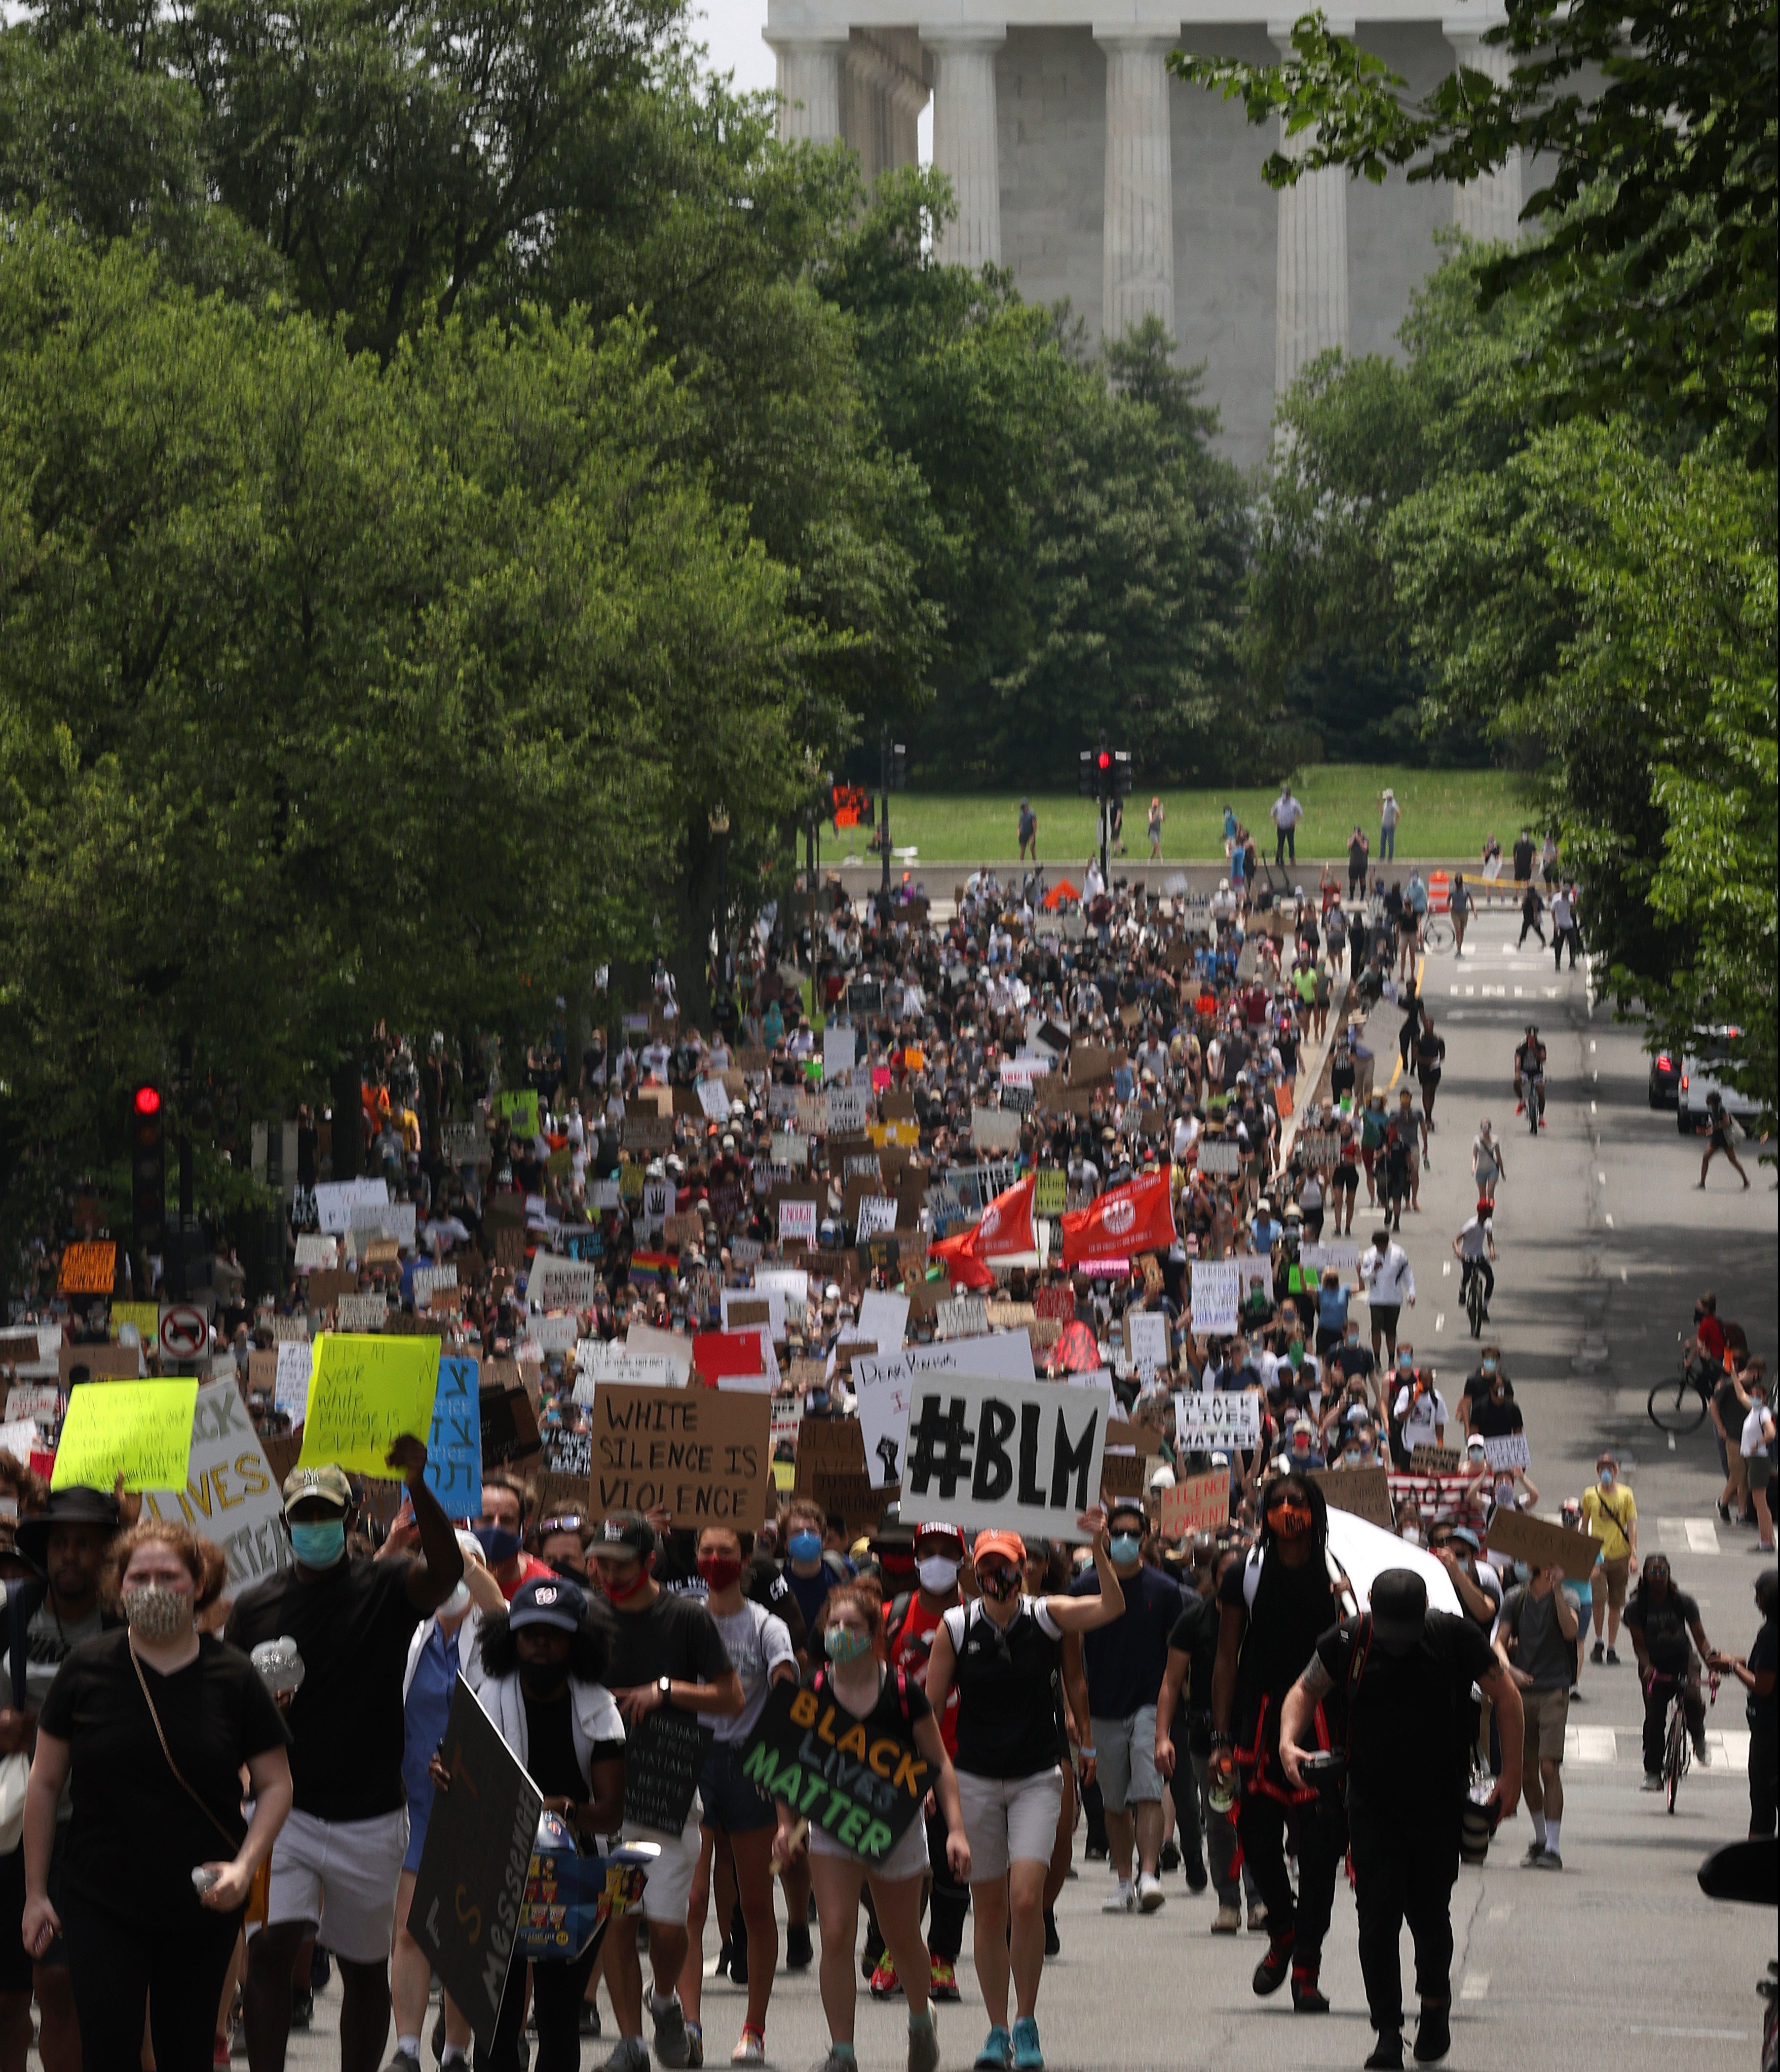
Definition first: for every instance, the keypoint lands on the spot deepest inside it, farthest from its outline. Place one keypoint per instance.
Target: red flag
(958, 1255)
(1124, 1221)
(1006, 1224)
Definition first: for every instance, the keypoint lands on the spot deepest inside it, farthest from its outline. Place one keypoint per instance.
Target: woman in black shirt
(155, 1721)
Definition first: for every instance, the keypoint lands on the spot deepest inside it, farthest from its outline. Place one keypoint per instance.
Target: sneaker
(1054, 1942)
(1227, 1921)
(884, 1985)
(219, 2055)
(402, 2061)
(722, 1970)
(589, 2019)
(942, 1979)
(924, 2044)
(1169, 1860)
(1273, 1970)
(695, 2044)
(1433, 2034)
(1306, 1998)
(1150, 1894)
(1535, 1850)
(996, 2053)
(436, 2042)
(1612, 1658)
(837, 2061)
(798, 1951)
(630, 2053)
(1196, 1878)
(669, 2018)
(1549, 1859)
(1702, 1754)
(739, 1962)
(1597, 1654)
(1653, 1781)
(750, 2050)
(1387, 2054)
(1122, 1899)
(302, 2006)
(1027, 2055)
(1257, 1920)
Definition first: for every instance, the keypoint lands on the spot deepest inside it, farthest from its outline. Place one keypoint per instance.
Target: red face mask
(1289, 1521)
(619, 1592)
(719, 1570)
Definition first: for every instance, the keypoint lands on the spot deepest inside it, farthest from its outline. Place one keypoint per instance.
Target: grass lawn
(1446, 814)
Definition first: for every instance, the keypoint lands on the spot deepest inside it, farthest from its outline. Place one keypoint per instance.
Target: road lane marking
(1609, 1226)
(1476, 1985)
(1440, 1320)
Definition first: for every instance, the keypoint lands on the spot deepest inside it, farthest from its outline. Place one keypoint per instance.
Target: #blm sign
(861, 1791)
(703, 1455)
(1217, 1421)
(470, 1886)
(983, 1450)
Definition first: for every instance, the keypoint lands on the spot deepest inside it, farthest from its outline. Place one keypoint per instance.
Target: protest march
(938, 1431)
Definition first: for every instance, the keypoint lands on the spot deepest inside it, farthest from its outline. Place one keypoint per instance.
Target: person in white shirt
(1419, 1409)
(1287, 813)
(1387, 1282)
(1563, 927)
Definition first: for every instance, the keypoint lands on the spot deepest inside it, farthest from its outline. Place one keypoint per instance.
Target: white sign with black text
(985, 1451)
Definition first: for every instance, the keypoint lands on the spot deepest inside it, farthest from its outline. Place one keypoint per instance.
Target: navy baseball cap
(549, 1601)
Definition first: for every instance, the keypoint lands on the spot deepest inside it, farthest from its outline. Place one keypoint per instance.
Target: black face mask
(541, 1678)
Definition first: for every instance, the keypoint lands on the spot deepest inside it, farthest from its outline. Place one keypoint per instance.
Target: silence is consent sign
(984, 1450)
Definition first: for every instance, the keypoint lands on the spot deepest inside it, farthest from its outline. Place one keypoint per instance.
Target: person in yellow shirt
(1611, 1512)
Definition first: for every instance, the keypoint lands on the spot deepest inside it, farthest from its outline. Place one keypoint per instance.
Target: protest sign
(1146, 1333)
(464, 1143)
(714, 1100)
(335, 1201)
(883, 1317)
(290, 1381)
(518, 1110)
(552, 1334)
(796, 1222)
(1219, 1155)
(1510, 1451)
(644, 1341)
(1341, 1253)
(1056, 1300)
(718, 1354)
(663, 1756)
(1048, 1192)
(325, 1288)
(1435, 1459)
(1366, 1492)
(967, 1317)
(1317, 1150)
(364, 1394)
(1523, 1537)
(646, 1130)
(703, 1455)
(41, 1401)
(831, 1472)
(470, 1886)
(19, 1441)
(1196, 1504)
(600, 1362)
(1006, 1355)
(78, 1363)
(141, 1430)
(787, 1414)
(228, 1494)
(362, 1312)
(995, 1129)
(315, 1252)
(883, 1388)
(877, 1214)
(986, 1451)
(806, 1751)
(508, 1424)
(844, 1110)
(1439, 1498)
(145, 1318)
(1208, 1421)
(838, 1050)
(454, 1446)
(87, 1269)
(1217, 1293)
(741, 1306)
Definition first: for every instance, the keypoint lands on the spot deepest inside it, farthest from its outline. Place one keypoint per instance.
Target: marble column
(1138, 230)
(1310, 307)
(883, 101)
(1487, 209)
(964, 144)
(809, 89)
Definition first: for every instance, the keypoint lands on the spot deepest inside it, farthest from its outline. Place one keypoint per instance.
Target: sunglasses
(569, 1522)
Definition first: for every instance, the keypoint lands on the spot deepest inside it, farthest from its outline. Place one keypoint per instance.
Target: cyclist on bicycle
(1661, 1619)
(1475, 1250)
(1530, 1078)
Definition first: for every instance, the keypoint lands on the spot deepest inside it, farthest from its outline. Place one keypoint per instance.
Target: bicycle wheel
(1436, 933)
(1675, 1755)
(1677, 1406)
(1474, 1306)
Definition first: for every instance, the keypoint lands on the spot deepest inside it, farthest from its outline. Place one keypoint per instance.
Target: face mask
(1489, 1366)
(541, 1677)
(1406, 1365)
(1125, 1547)
(1002, 1584)
(1352, 1458)
(938, 1574)
(819, 1399)
(1289, 1521)
(157, 1614)
(719, 1570)
(1606, 1477)
(620, 1589)
(497, 1543)
(845, 1645)
(320, 1543)
(1522, 1573)
(1413, 1534)
(457, 1603)
(804, 1546)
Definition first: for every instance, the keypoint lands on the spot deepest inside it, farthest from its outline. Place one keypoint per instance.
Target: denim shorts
(732, 1804)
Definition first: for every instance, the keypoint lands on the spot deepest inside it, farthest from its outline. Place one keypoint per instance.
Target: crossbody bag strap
(178, 1775)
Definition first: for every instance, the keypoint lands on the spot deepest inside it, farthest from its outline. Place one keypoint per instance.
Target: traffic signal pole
(883, 831)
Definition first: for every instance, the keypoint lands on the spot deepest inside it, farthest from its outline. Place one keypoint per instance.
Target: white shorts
(908, 1859)
(1010, 1818)
(669, 1887)
(341, 1875)
(1125, 1759)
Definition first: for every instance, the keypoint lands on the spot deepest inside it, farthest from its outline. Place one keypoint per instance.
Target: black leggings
(1319, 1843)
(172, 1968)
(557, 1994)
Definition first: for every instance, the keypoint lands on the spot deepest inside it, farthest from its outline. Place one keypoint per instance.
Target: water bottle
(1221, 1787)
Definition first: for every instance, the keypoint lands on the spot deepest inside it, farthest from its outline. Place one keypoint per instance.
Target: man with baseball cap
(1406, 1673)
(338, 1858)
(666, 1653)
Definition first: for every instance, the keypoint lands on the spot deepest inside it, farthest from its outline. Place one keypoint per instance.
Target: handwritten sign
(1208, 1421)
(663, 1757)
(87, 1269)
(1365, 1492)
(362, 1312)
(702, 1454)
(291, 1379)
(876, 1215)
(229, 1494)
(454, 1444)
(1146, 1331)
(987, 1451)
(518, 1110)
(797, 1223)
(1219, 1155)
(337, 1200)
(1536, 1541)
(1196, 1504)
(967, 1317)
(808, 1752)
(1510, 1451)
(1217, 1293)
(555, 1283)
(364, 1394)
(141, 1430)
(1435, 1460)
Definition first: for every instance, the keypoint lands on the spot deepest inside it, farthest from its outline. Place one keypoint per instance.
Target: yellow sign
(905, 1131)
(520, 1110)
(141, 1430)
(144, 1315)
(364, 1393)
(87, 1269)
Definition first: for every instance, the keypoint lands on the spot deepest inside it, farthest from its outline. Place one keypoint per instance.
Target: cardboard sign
(701, 1454)
(1523, 1537)
(1365, 1492)
(1510, 1451)
(364, 1394)
(986, 1451)
(831, 1472)
(1221, 1420)
(335, 1201)
(1217, 1294)
(78, 1363)
(508, 1427)
(994, 1130)
(796, 1222)
(663, 1757)
(1196, 1504)
(645, 1130)
(1436, 1461)
(470, 1886)
(680, 1231)
(555, 1283)
(141, 1430)
(454, 1446)
(812, 1754)
(967, 1317)
(327, 1287)
(87, 1269)
(228, 1494)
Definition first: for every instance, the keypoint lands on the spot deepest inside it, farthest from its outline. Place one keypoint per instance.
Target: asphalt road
(1619, 1962)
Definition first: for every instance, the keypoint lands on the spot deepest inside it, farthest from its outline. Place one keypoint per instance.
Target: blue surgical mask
(804, 1546)
(320, 1543)
(1606, 1477)
(1522, 1573)
(1125, 1547)
(498, 1544)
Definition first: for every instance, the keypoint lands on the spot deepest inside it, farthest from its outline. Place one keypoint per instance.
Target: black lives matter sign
(990, 1452)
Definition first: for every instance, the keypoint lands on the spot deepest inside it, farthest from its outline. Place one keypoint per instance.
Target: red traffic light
(1105, 759)
(148, 1101)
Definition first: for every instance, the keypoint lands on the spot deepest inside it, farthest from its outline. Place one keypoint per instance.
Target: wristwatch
(664, 1685)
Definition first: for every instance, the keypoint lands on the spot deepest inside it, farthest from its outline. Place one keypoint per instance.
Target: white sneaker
(1120, 1900)
(1150, 1894)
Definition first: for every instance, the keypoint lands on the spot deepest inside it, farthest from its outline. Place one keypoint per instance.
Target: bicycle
(1436, 933)
(1677, 1743)
(1532, 1096)
(1679, 1406)
(1475, 1300)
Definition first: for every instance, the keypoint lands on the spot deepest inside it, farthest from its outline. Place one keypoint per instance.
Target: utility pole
(883, 831)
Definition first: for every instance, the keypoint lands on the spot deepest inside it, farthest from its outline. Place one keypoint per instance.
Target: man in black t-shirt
(337, 1859)
(666, 1652)
(1406, 1673)
(1662, 1620)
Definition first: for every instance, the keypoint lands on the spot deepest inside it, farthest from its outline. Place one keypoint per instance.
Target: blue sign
(454, 1448)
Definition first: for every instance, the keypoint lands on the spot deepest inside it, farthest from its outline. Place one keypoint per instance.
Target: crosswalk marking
(1476, 1985)
(1729, 1748)
(1687, 1535)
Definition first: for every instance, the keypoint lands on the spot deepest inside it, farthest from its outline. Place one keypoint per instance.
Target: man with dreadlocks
(1272, 1609)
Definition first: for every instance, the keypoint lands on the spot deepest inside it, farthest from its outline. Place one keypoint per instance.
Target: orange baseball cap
(997, 1540)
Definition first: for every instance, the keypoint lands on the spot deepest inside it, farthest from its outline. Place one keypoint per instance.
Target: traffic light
(898, 767)
(1121, 773)
(1105, 773)
(147, 1167)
